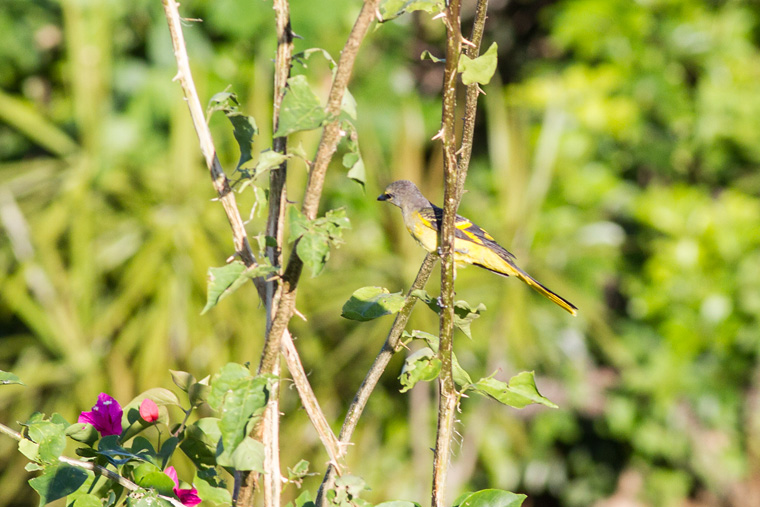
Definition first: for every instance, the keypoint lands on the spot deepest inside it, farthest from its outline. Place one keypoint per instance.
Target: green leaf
(238, 396)
(304, 500)
(29, 449)
(7, 377)
(211, 490)
(353, 159)
(227, 279)
(481, 69)
(244, 126)
(167, 449)
(427, 55)
(88, 500)
(490, 498)
(464, 314)
(201, 440)
(422, 365)
(109, 448)
(149, 476)
(83, 432)
(519, 393)
(198, 393)
(461, 377)
(314, 250)
(300, 108)
(182, 379)
(49, 436)
(268, 159)
(394, 8)
(370, 303)
(299, 224)
(58, 481)
(298, 472)
(306, 54)
(315, 236)
(248, 455)
(398, 503)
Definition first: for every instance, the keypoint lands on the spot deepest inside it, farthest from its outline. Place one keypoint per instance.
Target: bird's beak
(383, 197)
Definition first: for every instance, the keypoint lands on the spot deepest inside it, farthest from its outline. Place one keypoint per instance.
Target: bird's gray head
(404, 193)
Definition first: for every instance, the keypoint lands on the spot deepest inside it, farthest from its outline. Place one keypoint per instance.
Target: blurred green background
(616, 155)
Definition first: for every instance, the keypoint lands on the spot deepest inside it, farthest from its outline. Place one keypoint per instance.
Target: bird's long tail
(538, 287)
(511, 269)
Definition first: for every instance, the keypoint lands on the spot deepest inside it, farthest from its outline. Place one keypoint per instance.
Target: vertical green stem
(448, 396)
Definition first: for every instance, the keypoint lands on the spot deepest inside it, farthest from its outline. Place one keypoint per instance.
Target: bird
(472, 244)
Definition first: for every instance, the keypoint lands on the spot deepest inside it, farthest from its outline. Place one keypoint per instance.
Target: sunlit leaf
(520, 392)
(422, 365)
(370, 303)
(481, 69)
(490, 498)
(464, 313)
(427, 55)
(7, 377)
(300, 110)
(225, 280)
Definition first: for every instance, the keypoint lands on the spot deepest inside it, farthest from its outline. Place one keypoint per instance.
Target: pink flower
(188, 496)
(149, 410)
(105, 416)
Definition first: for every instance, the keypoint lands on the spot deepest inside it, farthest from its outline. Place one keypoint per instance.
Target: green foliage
(227, 279)
(490, 498)
(619, 164)
(464, 314)
(370, 303)
(58, 481)
(243, 126)
(520, 392)
(9, 378)
(481, 69)
(314, 237)
(301, 109)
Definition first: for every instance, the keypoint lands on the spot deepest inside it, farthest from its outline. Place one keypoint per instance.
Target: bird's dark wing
(465, 230)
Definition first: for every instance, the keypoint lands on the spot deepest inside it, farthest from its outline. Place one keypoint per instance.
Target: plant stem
(389, 348)
(242, 246)
(448, 396)
(268, 430)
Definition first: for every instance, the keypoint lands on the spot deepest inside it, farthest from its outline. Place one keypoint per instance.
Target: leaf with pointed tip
(7, 377)
(225, 280)
(519, 393)
(481, 69)
(490, 498)
(243, 126)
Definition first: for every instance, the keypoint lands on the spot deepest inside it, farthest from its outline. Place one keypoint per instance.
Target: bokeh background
(616, 155)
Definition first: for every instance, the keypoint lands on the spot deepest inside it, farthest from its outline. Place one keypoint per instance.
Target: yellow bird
(472, 245)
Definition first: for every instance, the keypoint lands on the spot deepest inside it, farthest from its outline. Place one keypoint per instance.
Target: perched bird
(472, 245)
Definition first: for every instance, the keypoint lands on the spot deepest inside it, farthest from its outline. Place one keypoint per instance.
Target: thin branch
(448, 396)
(219, 179)
(268, 430)
(241, 243)
(399, 324)
(471, 98)
(389, 348)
